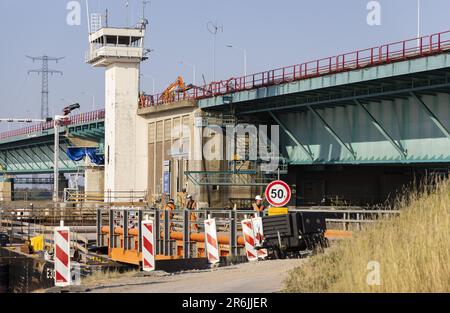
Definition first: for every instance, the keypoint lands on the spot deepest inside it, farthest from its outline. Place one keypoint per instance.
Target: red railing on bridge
(384, 54)
(73, 120)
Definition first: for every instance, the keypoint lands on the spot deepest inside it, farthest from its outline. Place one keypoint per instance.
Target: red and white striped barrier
(249, 239)
(212, 244)
(259, 236)
(62, 256)
(148, 245)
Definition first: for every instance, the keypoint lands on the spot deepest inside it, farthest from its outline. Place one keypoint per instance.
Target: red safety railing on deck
(384, 54)
(73, 120)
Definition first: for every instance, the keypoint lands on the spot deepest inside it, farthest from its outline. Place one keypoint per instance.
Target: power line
(45, 71)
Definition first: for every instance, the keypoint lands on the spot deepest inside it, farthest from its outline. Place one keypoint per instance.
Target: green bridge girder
(390, 114)
(33, 153)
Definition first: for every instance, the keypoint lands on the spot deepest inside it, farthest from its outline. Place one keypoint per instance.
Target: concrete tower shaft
(120, 51)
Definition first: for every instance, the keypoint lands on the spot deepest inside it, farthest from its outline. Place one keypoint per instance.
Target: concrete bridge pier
(6, 190)
(94, 182)
(63, 183)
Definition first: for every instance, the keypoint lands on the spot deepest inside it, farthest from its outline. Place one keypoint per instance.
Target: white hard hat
(189, 197)
(258, 197)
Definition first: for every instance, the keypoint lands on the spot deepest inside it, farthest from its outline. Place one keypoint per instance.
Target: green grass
(413, 251)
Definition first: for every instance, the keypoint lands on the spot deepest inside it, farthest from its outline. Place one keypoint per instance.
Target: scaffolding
(241, 170)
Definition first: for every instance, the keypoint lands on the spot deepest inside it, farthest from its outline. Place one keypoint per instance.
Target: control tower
(120, 51)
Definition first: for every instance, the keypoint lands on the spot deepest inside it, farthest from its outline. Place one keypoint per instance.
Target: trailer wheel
(279, 254)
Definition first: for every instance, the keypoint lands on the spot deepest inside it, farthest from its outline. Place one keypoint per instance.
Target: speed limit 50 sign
(278, 193)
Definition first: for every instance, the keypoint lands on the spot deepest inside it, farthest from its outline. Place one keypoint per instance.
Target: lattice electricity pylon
(45, 71)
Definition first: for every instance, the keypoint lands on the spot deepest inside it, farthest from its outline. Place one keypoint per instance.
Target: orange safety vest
(258, 208)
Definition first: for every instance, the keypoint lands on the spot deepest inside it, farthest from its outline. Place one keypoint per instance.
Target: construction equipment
(178, 86)
(294, 234)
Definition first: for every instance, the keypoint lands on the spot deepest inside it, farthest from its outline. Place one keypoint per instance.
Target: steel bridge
(383, 105)
(388, 104)
(29, 150)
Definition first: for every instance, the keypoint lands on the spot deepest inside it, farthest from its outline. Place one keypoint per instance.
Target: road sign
(212, 245)
(249, 240)
(278, 193)
(277, 211)
(62, 256)
(148, 245)
(259, 236)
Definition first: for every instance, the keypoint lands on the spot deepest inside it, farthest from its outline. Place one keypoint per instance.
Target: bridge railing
(384, 54)
(73, 120)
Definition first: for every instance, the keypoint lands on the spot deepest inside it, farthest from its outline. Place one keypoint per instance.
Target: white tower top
(116, 45)
(120, 52)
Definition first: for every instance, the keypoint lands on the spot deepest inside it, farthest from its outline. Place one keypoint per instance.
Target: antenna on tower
(144, 21)
(45, 71)
(106, 18)
(87, 17)
(127, 6)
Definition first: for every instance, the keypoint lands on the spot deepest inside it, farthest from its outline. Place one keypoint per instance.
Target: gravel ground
(259, 277)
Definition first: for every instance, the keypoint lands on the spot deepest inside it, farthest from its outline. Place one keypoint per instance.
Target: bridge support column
(94, 182)
(63, 183)
(6, 191)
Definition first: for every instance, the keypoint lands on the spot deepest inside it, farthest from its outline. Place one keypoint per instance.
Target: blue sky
(274, 33)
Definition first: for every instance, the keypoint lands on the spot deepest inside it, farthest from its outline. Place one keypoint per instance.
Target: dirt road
(260, 277)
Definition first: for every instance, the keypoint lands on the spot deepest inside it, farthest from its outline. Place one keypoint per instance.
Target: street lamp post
(193, 71)
(418, 23)
(58, 120)
(153, 82)
(214, 28)
(245, 56)
(93, 99)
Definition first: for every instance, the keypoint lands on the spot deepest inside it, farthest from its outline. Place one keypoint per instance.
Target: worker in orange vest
(170, 206)
(258, 206)
(192, 205)
(142, 100)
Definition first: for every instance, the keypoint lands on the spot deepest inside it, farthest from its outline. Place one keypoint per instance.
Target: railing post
(140, 215)
(233, 233)
(166, 246)
(404, 49)
(358, 222)
(439, 42)
(158, 232)
(387, 53)
(125, 229)
(111, 229)
(186, 235)
(99, 227)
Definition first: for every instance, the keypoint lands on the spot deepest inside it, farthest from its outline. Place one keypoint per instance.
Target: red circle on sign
(278, 193)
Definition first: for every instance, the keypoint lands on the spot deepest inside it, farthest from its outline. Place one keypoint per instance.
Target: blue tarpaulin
(79, 153)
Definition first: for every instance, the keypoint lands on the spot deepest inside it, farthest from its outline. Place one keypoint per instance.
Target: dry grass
(413, 251)
(101, 277)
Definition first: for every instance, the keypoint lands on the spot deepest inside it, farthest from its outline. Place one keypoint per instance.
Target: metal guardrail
(123, 222)
(73, 120)
(120, 227)
(131, 197)
(356, 216)
(384, 54)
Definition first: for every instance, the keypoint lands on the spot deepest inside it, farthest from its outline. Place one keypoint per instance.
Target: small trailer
(294, 234)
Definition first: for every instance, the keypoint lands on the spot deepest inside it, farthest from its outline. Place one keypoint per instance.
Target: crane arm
(168, 94)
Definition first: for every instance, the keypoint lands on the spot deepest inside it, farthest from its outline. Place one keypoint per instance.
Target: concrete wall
(174, 135)
(94, 180)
